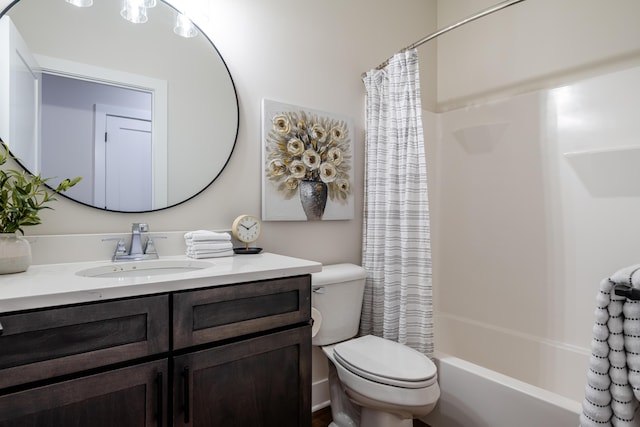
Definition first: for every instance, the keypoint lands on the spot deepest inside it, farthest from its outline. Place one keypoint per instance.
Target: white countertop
(50, 285)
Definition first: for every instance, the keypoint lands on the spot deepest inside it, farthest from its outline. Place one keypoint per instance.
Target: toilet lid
(386, 362)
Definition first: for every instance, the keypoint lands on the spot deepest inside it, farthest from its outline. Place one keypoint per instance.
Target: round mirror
(146, 113)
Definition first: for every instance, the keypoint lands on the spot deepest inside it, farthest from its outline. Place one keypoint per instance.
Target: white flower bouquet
(308, 147)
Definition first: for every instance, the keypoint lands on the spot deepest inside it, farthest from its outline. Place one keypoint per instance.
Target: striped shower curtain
(396, 239)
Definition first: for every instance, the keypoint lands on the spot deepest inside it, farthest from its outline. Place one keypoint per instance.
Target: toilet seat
(386, 362)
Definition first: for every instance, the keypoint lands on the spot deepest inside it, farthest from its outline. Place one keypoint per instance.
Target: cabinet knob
(1, 328)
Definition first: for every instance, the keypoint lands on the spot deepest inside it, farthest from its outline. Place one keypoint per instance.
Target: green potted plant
(22, 197)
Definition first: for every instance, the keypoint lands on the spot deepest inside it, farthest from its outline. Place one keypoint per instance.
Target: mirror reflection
(147, 117)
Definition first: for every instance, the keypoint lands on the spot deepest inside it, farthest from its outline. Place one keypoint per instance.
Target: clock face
(246, 228)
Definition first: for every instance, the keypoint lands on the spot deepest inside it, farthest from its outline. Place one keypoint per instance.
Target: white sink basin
(144, 268)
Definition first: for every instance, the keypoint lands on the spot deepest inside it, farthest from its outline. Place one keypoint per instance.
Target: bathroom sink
(144, 268)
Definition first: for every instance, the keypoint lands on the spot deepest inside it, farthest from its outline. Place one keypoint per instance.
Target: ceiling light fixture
(134, 11)
(184, 27)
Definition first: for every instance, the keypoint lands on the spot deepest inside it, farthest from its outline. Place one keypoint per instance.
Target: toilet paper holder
(316, 321)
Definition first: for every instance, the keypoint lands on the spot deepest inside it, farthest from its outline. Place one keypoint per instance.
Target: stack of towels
(613, 379)
(208, 244)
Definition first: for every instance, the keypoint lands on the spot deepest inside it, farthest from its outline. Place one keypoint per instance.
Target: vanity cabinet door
(128, 397)
(215, 314)
(263, 381)
(44, 344)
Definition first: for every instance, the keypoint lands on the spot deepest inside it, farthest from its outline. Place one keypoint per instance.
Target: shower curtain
(396, 238)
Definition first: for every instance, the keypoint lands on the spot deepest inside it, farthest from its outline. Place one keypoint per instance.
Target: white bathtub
(473, 396)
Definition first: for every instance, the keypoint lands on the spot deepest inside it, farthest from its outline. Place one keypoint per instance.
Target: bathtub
(473, 396)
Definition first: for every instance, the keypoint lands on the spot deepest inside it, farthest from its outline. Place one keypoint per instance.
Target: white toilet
(373, 382)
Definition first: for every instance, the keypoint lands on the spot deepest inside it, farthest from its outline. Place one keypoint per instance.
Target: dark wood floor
(322, 418)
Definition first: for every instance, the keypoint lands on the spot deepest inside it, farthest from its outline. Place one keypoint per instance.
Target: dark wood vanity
(229, 355)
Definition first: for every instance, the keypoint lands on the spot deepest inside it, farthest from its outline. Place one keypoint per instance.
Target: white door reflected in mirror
(128, 164)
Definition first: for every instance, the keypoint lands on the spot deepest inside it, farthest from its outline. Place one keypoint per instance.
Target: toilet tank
(337, 295)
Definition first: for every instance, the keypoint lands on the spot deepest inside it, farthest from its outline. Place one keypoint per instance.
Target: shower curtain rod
(440, 32)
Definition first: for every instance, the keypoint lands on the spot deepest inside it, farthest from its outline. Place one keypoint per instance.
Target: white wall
(525, 232)
(529, 45)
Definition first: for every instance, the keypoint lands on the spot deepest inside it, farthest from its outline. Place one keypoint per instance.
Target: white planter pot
(15, 253)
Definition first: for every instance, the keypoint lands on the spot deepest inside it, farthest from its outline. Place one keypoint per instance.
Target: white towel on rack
(613, 379)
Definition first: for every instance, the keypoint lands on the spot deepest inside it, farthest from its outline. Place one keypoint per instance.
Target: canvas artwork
(306, 164)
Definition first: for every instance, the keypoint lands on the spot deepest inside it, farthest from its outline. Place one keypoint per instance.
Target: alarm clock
(247, 229)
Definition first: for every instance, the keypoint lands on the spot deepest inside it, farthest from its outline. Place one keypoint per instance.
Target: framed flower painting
(306, 164)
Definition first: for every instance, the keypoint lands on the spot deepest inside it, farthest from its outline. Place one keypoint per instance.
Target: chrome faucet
(136, 241)
(137, 251)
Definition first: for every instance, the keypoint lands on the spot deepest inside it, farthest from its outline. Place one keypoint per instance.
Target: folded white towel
(208, 244)
(200, 255)
(221, 251)
(207, 251)
(206, 235)
(213, 246)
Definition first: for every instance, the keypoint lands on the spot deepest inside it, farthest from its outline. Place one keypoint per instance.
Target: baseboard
(320, 395)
